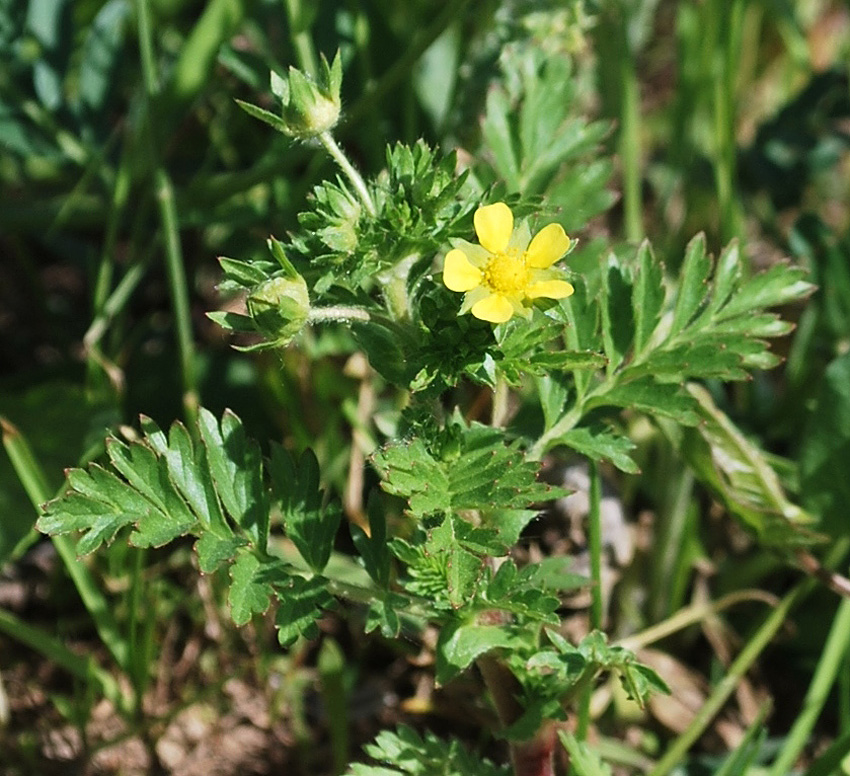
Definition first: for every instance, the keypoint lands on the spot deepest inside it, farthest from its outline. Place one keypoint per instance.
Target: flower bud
(308, 108)
(280, 308)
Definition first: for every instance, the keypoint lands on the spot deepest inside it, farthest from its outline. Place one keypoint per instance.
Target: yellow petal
(548, 245)
(495, 309)
(493, 225)
(551, 289)
(458, 273)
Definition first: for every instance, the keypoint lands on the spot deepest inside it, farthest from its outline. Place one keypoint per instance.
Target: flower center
(506, 272)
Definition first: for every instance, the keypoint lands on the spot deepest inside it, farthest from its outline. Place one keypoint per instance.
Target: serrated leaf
(408, 754)
(213, 551)
(600, 444)
(462, 567)
(741, 477)
(616, 306)
(554, 573)
(647, 295)
(497, 135)
(373, 547)
(236, 467)
(778, 285)
(693, 283)
(249, 594)
(383, 614)
(461, 644)
(301, 603)
(311, 526)
(646, 395)
(485, 474)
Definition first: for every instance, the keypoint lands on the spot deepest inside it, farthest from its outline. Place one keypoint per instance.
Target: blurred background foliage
(119, 171)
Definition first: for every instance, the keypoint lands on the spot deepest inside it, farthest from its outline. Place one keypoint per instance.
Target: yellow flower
(508, 270)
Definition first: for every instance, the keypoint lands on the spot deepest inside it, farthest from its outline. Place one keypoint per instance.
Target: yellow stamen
(506, 272)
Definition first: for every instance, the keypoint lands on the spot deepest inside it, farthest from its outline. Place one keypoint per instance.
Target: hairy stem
(327, 140)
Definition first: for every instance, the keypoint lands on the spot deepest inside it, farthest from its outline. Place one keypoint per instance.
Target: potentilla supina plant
(508, 269)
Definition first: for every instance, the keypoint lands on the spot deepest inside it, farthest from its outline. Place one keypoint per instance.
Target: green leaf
(373, 548)
(647, 395)
(213, 550)
(311, 526)
(272, 119)
(520, 593)
(302, 602)
(497, 135)
(383, 614)
(693, 284)
(460, 644)
(600, 444)
(778, 285)
(233, 321)
(647, 295)
(235, 464)
(484, 474)
(741, 477)
(462, 567)
(249, 593)
(405, 753)
(825, 454)
(616, 306)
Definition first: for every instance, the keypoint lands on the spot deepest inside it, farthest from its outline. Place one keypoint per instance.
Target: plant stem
(327, 140)
(594, 541)
(305, 53)
(170, 225)
(836, 647)
(728, 15)
(594, 536)
(534, 757)
(338, 313)
(629, 139)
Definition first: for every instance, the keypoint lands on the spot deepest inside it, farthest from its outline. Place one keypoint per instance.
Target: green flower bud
(308, 108)
(280, 308)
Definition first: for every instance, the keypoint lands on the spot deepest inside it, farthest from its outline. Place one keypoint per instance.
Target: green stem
(629, 137)
(327, 140)
(338, 313)
(748, 655)
(836, 647)
(594, 541)
(594, 537)
(727, 52)
(299, 25)
(169, 222)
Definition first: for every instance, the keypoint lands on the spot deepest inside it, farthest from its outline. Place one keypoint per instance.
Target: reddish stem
(535, 756)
